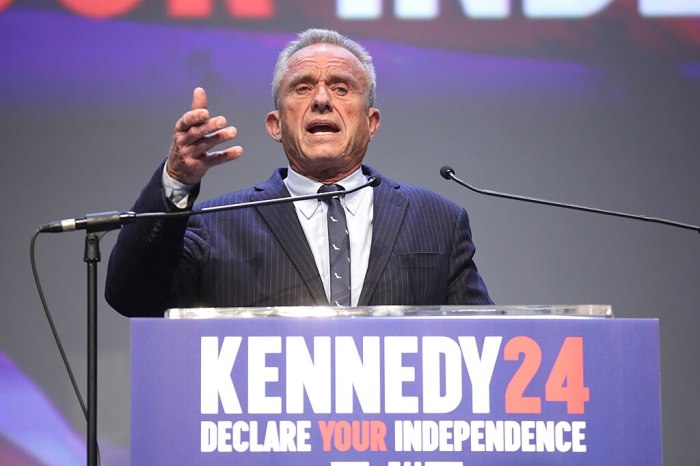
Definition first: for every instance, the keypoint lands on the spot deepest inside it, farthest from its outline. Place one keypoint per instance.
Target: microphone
(373, 181)
(107, 221)
(449, 174)
(104, 221)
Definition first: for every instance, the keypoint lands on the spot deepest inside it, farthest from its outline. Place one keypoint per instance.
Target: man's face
(323, 121)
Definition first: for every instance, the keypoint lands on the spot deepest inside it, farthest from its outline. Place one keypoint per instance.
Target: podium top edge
(568, 311)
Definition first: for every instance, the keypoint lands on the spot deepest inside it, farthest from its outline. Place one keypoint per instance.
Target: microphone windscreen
(447, 172)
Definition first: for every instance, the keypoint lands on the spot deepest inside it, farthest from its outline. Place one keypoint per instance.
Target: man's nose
(322, 100)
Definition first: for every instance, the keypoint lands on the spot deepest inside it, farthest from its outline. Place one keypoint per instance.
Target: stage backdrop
(594, 102)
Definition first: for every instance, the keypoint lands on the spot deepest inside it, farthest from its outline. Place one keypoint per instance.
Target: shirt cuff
(178, 193)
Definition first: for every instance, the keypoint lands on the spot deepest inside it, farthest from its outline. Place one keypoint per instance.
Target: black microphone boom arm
(372, 181)
(107, 221)
(449, 174)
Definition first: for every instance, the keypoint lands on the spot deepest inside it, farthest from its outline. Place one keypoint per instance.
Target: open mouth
(324, 127)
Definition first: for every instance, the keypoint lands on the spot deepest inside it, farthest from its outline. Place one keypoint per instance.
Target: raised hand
(195, 134)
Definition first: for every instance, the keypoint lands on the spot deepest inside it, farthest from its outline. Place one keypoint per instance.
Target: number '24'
(564, 383)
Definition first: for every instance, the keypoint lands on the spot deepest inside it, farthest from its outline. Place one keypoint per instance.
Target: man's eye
(303, 89)
(341, 90)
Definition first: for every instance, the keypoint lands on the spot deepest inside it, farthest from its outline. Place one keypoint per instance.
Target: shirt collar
(299, 185)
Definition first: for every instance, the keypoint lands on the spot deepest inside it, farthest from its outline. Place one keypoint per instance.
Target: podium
(395, 386)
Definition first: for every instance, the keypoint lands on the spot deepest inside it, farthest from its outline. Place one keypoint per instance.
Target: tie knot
(330, 188)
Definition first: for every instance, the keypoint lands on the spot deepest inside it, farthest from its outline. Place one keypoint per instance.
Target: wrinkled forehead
(324, 59)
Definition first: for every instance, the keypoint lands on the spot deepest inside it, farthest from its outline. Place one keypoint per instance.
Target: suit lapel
(284, 225)
(389, 211)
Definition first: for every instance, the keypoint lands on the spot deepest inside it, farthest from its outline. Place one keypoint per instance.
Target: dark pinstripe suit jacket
(421, 254)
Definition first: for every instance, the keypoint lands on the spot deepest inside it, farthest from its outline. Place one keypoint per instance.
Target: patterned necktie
(338, 248)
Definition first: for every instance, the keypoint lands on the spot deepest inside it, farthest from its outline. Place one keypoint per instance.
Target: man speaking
(392, 244)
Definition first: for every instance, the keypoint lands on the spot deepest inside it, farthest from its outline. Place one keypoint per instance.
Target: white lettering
(563, 8)
(669, 7)
(528, 436)
(216, 382)
(511, 436)
(486, 9)
(433, 350)
(228, 436)
(305, 374)
(499, 9)
(420, 9)
(416, 9)
(260, 374)
(395, 374)
(358, 9)
(359, 374)
(480, 369)
(208, 434)
(314, 381)
(578, 435)
(544, 436)
(490, 436)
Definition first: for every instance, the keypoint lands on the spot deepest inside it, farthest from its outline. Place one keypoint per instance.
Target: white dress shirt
(358, 213)
(312, 216)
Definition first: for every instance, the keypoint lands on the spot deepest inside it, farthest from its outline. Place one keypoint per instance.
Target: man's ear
(374, 119)
(273, 125)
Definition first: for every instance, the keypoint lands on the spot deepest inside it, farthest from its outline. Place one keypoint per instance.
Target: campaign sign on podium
(395, 386)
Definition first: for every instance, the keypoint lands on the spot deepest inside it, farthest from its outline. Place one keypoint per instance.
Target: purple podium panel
(395, 391)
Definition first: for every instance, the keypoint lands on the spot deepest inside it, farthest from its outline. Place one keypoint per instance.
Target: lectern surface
(578, 310)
